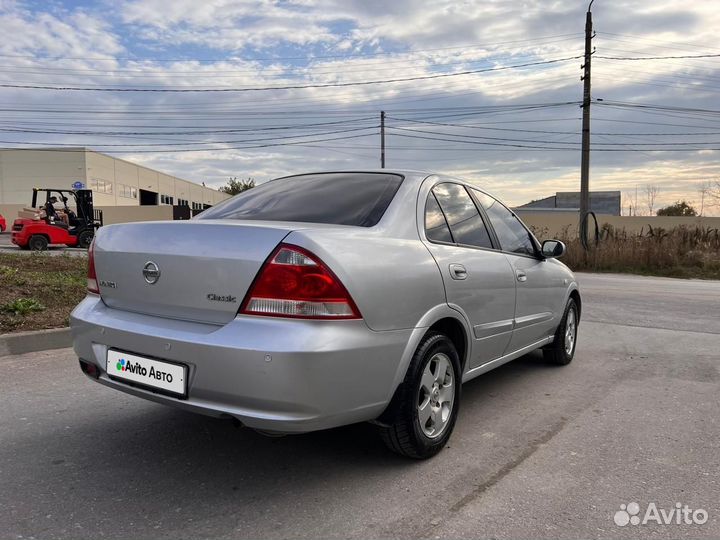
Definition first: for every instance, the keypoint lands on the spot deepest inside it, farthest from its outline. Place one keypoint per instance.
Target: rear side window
(511, 233)
(436, 228)
(465, 222)
(337, 198)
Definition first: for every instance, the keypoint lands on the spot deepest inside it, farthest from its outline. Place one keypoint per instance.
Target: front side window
(350, 198)
(511, 233)
(466, 224)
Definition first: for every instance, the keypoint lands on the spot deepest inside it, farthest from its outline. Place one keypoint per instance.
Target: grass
(682, 252)
(22, 306)
(39, 291)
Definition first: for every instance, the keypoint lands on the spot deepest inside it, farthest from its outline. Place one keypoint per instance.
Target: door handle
(521, 276)
(457, 271)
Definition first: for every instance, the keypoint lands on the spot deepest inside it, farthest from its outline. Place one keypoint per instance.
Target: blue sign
(78, 185)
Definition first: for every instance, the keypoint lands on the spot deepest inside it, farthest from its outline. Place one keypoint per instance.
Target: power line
(187, 150)
(672, 44)
(328, 68)
(276, 138)
(201, 132)
(553, 132)
(288, 87)
(658, 57)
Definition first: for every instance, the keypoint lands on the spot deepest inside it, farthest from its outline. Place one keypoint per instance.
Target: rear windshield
(337, 198)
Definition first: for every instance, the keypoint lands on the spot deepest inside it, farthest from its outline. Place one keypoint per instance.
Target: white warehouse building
(115, 182)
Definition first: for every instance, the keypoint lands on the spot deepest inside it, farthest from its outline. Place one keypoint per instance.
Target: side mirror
(552, 249)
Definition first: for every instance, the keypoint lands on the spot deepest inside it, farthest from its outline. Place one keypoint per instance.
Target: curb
(39, 340)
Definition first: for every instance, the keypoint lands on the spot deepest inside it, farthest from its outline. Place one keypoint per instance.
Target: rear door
(478, 279)
(540, 290)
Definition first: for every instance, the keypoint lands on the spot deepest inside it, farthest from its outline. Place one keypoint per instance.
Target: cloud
(76, 34)
(231, 44)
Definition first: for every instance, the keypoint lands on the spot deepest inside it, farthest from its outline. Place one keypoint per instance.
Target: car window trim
(486, 219)
(533, 240)
(447, 224)
(494, 243)
(494, 239)
(478, 208)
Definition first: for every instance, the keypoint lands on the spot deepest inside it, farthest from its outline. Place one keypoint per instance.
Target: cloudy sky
(487, 90)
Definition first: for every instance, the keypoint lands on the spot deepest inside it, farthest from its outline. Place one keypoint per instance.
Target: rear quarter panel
(395, 282)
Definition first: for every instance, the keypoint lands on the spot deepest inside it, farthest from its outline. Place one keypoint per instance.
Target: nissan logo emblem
(151, 272)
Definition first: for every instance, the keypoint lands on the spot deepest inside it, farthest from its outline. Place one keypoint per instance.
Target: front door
(538, 286)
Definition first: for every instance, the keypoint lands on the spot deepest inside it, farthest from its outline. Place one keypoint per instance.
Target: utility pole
(585, 159)
(636, 203)
(382, 139)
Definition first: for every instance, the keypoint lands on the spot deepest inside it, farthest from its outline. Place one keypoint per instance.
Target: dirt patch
(39, 291)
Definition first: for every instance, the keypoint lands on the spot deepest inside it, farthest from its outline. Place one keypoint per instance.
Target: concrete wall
(114, 181)
(601, 202)
(127, 214)
(554, 224)
(22, 170)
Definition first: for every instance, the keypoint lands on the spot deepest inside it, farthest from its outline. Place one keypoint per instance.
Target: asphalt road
(538, 451)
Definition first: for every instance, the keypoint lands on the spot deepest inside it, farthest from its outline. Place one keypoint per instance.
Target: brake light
(92, 283)
(295, 283)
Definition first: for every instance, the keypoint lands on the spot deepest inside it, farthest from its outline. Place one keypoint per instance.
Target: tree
(235, 186)
(651, 193)
(680, 208)
(704, 190)
(631, 210)
(712, 192)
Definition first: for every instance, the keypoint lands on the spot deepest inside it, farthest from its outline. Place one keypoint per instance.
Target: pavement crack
(509, 467)
(684, 331)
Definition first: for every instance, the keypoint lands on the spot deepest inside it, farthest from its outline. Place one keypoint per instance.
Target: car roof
(414, 176)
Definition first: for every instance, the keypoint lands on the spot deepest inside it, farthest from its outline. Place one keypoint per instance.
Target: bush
(679, 252)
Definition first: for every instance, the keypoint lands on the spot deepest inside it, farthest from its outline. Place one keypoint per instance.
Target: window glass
(511, 233)
(436, 228)
(465, 222)
(349, 198)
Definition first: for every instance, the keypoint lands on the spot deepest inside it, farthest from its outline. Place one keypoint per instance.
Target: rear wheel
(423, 413)
(38, 242)
(85, 238)
(562, 350)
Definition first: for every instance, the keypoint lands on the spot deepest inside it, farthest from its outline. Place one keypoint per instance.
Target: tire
(562, 350)
(422, 415)
(38, 242)
(85, 238)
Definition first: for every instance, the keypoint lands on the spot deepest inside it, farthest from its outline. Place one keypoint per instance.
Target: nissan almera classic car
(319, 300)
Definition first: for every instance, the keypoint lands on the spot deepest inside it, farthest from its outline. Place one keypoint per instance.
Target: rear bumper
(280, 375)
(19, 238)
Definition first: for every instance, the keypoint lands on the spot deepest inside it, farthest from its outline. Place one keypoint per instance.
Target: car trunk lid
(190, 270)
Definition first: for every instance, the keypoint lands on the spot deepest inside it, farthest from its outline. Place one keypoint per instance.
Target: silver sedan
(319, 300)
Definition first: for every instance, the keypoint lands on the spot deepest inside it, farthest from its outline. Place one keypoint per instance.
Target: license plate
(148, 372)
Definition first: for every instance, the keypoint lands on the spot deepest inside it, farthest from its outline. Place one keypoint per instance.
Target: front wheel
(562, 350)
(423, 413)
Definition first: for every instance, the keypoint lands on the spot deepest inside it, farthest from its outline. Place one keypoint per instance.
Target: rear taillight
(295, 283)
(92, 283)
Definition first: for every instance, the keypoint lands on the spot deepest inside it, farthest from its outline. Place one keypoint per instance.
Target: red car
(37, 234)
(3, 224)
